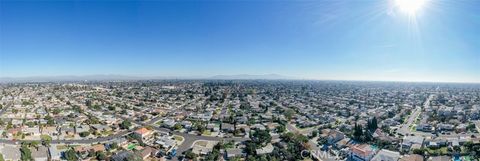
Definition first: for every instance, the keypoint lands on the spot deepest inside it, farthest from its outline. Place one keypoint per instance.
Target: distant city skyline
(321, 40)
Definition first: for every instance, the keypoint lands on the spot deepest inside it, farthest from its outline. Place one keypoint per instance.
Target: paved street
(4, 109)
(405, 129)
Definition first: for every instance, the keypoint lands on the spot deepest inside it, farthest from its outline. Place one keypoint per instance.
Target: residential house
(202, 150)
(40, 153)
(82, 128)
(226, 127)
(50, 130)
(234, 152)
(342, 143)
(440, 158)
(32, 131)
(143, 133)
(258, 127)
(120, 141)
(168, 123)
(100, 127)
(445, 127)
(332, 136)
(97, 148)
(10, 152)
(461, 128)
(146, 152)
(121, 156)
(361, 152)
(424, 127)
(166, 142)
(386, 155)
(412, 157)
(265, 150)
(410, 141)
(81, 150)
(187, 124)
(54, 153)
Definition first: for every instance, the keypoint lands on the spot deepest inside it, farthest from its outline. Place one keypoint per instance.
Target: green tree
(101, 155)
(261, 137)
(468, 145)
(250, 148)
(314, 133)
(133, 157)
(125, 124)
(114, 146)
(357, 132)
(237, 158)
(372, 124)
(420, 151)
(251, 121)
(26, 154)
(177, 126)
(296, 143)
(84, 134)
(281, 128)
(471, 126)
(56, 111)
(70, 155)
(190, 155)
(34, 144)
(50, 120)
(289, 113)
(230, 144)
(200, 127)
(143, 117)
(45, 140)
(9, 125)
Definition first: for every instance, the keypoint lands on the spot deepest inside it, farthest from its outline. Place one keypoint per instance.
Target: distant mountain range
(67, 78)
(248, 76)
(124, 77)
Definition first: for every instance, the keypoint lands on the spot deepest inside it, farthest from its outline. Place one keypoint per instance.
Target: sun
(410, 6)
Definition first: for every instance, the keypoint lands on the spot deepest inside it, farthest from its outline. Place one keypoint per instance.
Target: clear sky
(343, 40)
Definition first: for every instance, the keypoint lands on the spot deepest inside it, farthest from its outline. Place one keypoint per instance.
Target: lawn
(207, 133)
(413, 128)
(440, 151)
(467, 158)
(201, 143)
(18, 137)
(131, 146)
(178, 138)
(45, 137)
(107, 133)
(61, 147)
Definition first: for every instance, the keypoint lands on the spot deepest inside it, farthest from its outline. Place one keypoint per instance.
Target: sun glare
(409, 6)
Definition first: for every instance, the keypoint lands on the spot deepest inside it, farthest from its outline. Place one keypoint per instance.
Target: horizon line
(211, 77)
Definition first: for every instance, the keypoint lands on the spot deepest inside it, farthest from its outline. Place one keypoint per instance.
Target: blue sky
(342, 40)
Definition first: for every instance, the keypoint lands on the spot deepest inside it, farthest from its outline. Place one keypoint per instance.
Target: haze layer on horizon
(337, 40)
